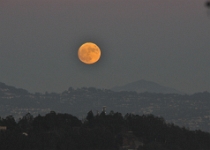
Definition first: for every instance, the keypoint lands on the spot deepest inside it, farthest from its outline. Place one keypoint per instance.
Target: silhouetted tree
(10, 122)
(26, 122)
(207, 4)
(90, 116)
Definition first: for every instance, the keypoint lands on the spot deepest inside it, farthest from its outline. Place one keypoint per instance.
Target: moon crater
(89, 53)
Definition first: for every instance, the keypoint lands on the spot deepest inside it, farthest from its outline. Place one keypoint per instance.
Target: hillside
(191, 111)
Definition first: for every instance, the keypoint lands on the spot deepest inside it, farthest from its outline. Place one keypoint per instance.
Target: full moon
(89, 53)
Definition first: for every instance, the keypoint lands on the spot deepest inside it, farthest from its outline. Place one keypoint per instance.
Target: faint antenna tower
(104, 109)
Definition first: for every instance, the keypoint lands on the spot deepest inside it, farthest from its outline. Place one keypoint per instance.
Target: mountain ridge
(141, 86)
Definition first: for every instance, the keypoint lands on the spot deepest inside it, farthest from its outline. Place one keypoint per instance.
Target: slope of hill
(6, 90)
(185, 110)
(145, 86)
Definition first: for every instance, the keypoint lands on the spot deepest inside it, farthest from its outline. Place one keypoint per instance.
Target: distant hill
(185, 110)
(145, 86)
(10, 91)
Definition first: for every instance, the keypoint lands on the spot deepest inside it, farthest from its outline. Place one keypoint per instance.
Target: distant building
(2, 128)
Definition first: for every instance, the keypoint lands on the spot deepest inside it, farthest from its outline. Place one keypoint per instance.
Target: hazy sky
(165, 41)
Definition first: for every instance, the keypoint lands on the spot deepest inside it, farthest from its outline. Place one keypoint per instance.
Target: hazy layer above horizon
(162, 41)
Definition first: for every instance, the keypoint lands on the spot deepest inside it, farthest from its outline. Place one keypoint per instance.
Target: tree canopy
(56, 131)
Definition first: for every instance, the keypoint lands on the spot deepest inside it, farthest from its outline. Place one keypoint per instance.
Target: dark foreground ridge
(57, 131)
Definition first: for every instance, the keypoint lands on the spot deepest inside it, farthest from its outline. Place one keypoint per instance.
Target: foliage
(56, 131)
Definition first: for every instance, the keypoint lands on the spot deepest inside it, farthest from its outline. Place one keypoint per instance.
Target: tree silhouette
(26, 122)
(207, 4)
(56, 131)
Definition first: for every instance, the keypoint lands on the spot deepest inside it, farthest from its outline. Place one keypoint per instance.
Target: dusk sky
(164, 41)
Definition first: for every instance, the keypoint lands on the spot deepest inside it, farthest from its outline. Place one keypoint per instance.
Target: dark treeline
(56, 131)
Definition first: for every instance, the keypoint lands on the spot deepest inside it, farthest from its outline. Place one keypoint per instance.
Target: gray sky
(165, 41)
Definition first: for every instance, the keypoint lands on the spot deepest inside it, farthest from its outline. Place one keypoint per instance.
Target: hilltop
(146, 86)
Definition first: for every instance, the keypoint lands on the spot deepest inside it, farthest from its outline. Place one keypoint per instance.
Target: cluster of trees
(56, 131)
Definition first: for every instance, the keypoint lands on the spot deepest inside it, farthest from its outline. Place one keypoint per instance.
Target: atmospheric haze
(162, 41)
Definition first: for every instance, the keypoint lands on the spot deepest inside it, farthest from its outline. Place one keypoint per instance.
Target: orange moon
(89, 53)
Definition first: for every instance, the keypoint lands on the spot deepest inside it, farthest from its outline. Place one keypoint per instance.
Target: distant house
(24, 133)
(3, 128)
